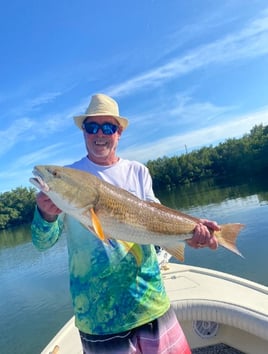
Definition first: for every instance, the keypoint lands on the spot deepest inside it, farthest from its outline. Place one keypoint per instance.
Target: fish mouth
(38, 181)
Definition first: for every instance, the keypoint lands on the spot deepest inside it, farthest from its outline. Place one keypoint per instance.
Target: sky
(187, 74)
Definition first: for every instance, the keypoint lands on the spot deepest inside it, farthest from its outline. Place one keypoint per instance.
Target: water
(34, 296)
(244, 203)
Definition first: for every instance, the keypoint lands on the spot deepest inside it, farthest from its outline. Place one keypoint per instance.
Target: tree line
(16, 207)
(247, 156)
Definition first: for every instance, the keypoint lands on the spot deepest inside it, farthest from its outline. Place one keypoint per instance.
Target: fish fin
(97, 226)
(134, 249)
(227, 236)
(177, 252)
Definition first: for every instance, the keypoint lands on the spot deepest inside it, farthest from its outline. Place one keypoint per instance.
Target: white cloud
(195, 139)
(14, 133)
(250, 42)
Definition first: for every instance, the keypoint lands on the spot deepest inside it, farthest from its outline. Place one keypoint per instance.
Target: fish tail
(227, 236)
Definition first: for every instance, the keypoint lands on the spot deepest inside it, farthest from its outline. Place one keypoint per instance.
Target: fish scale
(113, 213)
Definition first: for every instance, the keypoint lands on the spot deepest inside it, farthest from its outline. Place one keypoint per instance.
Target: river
(34, 296)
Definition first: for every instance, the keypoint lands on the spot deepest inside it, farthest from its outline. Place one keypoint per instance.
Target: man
(120, 307)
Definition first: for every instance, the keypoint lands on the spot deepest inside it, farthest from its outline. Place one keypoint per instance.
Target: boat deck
(215, 307)
(219, 313)
(217, 349)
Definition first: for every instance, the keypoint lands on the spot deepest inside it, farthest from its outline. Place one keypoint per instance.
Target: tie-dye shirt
(110, 292)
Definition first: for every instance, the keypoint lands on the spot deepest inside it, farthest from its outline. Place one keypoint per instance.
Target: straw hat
(101, 105)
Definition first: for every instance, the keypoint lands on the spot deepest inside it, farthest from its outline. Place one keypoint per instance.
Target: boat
(214, 309)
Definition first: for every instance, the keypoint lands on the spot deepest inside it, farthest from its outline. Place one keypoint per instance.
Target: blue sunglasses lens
(93, 128)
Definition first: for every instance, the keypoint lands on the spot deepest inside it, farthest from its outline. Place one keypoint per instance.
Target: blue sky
(186, 73)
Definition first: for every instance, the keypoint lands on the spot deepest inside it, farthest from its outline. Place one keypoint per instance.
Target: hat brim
(80, 119)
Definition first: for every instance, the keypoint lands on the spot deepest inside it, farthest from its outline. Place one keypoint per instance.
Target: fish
(112, 213)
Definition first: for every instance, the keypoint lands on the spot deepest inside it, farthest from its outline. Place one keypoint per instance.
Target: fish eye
(54, 173)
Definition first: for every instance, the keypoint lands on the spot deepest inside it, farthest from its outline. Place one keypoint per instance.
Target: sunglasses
(93, 128)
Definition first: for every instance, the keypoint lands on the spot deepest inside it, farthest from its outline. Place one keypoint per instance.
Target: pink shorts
(161, 336)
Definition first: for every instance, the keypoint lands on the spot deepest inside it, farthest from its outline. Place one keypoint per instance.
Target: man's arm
(46, 226)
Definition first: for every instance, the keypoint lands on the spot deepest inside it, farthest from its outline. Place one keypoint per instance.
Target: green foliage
(247, 156)
(16, 207)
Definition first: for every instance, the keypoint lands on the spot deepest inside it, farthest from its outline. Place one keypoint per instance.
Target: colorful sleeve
(45, 234)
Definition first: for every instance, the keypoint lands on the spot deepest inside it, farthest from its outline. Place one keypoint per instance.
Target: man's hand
(204, 235)
(48, 210)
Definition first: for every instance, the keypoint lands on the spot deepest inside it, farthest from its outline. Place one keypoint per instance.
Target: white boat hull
(212, 308)
(239, 308)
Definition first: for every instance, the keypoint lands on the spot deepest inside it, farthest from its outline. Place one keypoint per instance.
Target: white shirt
(132, 176)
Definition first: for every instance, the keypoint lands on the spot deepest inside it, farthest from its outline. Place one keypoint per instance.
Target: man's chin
(99, 157)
